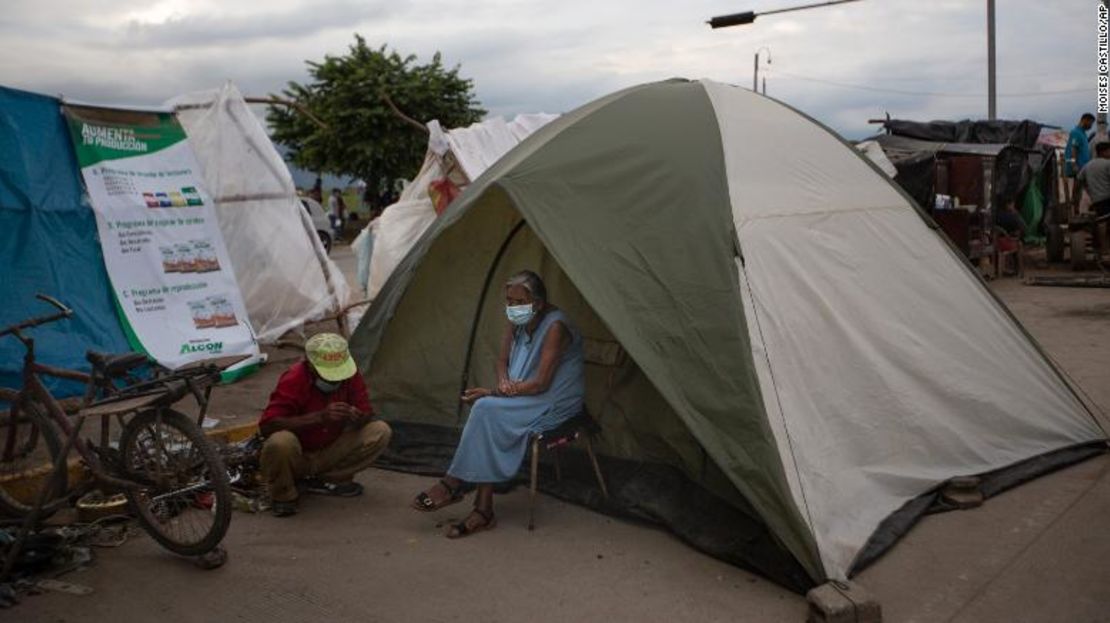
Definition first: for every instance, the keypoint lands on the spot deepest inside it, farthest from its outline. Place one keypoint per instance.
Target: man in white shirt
(1095, 177)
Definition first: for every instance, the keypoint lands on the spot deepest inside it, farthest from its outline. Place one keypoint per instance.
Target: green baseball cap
(330, 357)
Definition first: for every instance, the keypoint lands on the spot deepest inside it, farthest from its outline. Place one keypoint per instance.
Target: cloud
(527, 56)
(235, 30)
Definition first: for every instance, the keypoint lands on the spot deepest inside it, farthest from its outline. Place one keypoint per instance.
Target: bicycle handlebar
(64, 312)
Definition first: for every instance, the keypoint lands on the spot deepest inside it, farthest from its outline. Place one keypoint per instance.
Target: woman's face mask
(326, 386)
(519, 314)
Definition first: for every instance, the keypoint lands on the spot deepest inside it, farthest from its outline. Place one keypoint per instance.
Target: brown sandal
(460, 529)
(424, 502)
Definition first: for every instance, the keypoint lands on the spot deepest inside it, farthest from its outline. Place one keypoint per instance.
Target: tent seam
(778, 401)
(1068, 382)
(741, 220)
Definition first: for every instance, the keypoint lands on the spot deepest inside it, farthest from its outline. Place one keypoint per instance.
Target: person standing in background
(1077, 153)
(317, 191)
(336, 212)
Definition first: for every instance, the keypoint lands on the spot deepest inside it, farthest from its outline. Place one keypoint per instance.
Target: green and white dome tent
(808, 358)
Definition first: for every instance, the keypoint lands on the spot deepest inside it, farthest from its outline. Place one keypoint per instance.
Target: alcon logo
(209, 347)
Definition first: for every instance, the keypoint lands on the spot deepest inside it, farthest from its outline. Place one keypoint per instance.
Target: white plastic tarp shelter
(282, 268)
(463, 154)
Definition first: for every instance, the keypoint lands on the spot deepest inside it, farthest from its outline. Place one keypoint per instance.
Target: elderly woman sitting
(540, 385)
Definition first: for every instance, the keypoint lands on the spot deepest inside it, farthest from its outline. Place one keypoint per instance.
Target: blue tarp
(48, 244)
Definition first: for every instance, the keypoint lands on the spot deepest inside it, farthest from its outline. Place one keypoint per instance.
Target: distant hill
(305, 179)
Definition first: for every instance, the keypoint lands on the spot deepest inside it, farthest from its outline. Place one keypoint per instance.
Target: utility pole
(755, 74)
(992, 93)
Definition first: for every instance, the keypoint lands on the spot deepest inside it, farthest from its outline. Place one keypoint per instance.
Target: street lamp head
(740, 19)
(735, 19)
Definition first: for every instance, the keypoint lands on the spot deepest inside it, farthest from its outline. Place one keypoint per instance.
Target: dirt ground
(1036, 553)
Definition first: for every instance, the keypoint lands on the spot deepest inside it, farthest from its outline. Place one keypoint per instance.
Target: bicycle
(171, 474)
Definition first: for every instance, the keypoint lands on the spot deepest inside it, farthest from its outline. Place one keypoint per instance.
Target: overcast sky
(912, 58)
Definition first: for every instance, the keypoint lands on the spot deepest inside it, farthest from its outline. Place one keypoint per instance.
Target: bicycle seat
(115, 364)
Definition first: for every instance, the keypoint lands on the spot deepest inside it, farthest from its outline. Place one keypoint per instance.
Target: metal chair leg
(535, 474)
(597, 468)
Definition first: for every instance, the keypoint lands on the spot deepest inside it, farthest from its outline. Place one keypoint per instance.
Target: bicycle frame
(15, 399)
(34, 387)
(102, 399)
(158, 392)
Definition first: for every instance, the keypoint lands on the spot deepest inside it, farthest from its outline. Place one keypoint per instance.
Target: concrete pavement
(1036, 553)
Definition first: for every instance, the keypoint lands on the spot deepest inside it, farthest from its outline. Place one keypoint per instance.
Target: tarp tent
(460, 156)
(1015, 167)
(807, 358)
(283, 270)
(1023, 170)
(48, 243)
(1022, 133)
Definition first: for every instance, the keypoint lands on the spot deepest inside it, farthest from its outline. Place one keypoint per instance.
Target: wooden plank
(1070, 281)
(126, 405)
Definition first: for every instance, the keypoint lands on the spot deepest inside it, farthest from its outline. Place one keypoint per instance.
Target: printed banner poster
(162, 244)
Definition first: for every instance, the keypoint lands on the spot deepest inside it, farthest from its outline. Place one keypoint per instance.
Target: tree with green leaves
(366, 110)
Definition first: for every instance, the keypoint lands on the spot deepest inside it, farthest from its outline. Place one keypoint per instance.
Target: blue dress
(495, 437)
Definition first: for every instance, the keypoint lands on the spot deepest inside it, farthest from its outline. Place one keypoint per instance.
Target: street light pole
(755, 74)
(747, 17)
(992, 93)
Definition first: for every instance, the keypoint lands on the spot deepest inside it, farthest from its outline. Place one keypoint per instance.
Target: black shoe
(347, 489)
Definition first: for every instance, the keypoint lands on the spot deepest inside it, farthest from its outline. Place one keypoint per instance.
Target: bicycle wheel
(185, 498)
(29, 445)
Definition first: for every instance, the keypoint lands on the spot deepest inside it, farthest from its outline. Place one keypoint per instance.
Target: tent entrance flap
(658, 470)
(478, 314)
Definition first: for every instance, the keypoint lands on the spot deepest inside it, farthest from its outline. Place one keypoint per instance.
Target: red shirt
(296, 395)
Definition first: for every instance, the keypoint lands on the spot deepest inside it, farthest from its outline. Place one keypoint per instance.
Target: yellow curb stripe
(25, 485)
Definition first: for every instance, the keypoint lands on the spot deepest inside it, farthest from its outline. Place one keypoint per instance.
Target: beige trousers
(283, 461)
